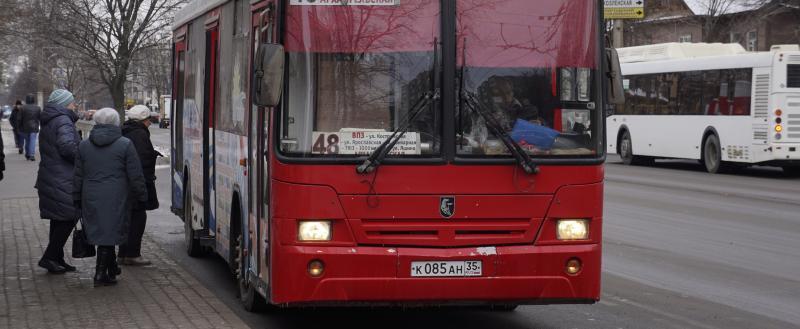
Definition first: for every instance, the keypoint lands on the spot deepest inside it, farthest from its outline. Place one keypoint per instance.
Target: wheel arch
(710, 130)
(622, 129)
(236, 225)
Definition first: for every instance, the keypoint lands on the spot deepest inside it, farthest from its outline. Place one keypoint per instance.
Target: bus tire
(712, 156)
(248, 296)
(193, 247)
(626, 152)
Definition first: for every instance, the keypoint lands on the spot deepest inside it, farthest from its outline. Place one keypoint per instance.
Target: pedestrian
(2, 158)
(15, 120)
(108, 179)
(29, 126)
(136, 129)
(55, 179)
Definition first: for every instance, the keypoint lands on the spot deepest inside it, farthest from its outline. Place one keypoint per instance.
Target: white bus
(715, 103)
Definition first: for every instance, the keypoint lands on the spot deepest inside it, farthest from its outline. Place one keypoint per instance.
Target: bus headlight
(572, 229)
(314, 231)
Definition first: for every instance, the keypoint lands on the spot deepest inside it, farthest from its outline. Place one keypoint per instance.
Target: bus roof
(193, 10)
(748, 60)
(677, 50)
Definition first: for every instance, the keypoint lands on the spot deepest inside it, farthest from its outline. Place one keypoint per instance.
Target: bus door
(176, 133)
(263, 29)
(209, 109)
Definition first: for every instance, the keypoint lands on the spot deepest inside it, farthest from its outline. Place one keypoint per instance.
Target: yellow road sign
(623, 13)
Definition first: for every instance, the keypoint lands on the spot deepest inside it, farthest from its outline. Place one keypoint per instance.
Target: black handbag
(81, 248)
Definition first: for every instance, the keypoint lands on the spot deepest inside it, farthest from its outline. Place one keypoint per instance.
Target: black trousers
(59, 233)
(133, 247)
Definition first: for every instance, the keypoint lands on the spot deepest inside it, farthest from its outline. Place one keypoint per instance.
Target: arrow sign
(624, 9)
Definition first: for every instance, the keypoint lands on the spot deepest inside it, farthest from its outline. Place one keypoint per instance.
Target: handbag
(81, 248)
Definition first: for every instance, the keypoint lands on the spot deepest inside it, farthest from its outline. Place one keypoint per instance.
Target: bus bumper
(382, 276)
(786, 154)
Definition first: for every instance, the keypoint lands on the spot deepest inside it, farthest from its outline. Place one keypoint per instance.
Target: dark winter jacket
(108, 178)
(16, 117)
(58, 143)
(138, 133)
(31, 116)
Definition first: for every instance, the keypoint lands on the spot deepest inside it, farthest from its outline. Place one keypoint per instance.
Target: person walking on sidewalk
(2, 158)
(55, 178)
(29, 126)
(136, 129)
(14, 120)
(108, 179)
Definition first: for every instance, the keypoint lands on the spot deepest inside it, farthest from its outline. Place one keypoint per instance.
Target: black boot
(101, 277)
(51, 266)
(67, 267)
(113, 267)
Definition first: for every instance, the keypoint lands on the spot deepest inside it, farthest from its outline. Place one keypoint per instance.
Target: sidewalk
(162, 295)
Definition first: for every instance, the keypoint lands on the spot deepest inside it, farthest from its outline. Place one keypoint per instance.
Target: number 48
(331, 147)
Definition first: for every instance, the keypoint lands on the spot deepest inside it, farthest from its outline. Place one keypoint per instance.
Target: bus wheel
(626, 152)
(712, 156)
(251, 300)
(193, 247)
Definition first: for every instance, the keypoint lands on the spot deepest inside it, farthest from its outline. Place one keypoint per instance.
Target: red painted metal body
(504, 218)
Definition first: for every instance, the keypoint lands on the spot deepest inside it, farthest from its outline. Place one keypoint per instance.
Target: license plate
(451, 269)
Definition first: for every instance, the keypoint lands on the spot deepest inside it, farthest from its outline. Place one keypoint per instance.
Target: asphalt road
(682, 249)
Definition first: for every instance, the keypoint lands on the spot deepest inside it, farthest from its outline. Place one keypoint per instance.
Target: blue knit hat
(61, 98)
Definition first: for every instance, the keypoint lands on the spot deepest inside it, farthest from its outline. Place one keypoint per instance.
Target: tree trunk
(117, 89)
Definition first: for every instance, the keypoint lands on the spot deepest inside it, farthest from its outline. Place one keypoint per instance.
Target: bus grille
(761, 96)
(444, 233)
(760, 133)
(793, 75)
(793, 126)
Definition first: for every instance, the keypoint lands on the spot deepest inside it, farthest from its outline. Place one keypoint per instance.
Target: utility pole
(618, 33)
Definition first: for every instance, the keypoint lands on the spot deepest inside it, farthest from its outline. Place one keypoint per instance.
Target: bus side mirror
(615, 95)
(268, 73)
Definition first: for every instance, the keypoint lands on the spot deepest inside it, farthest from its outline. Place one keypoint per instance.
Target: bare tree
(108, 34)
(714, 10)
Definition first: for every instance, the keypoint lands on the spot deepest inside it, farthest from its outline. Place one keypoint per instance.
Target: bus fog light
(572, 229)
(573, 266)
(316, 268)
(778, 128)
(314, 231)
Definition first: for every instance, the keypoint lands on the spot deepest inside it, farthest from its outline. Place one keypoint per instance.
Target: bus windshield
(354, 73)
(532, 66)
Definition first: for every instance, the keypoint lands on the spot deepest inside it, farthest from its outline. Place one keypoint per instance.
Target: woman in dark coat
(15, 120)
(108, 178)
(58, 145)
(136, 129)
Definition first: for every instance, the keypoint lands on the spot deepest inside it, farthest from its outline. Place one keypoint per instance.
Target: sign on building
(623, 9)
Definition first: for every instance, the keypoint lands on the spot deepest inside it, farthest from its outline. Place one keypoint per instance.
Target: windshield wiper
(516, 150)
(376, 157)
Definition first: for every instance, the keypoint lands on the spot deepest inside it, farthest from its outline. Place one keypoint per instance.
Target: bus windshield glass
(531, 66)
(354, 74)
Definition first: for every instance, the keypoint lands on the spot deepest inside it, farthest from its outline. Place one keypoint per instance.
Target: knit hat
(61, 98)
(138, 112)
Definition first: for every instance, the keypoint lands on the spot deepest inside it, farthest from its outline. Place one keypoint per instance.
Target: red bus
(393, 152)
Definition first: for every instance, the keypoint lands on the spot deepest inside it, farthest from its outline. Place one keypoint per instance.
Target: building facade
(755, 27)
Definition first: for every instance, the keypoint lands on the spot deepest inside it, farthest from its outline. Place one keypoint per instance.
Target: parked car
(6, 112)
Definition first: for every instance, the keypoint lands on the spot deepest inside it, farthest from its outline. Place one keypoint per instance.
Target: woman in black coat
(136, 129)
(108, 179)
(58, 145)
